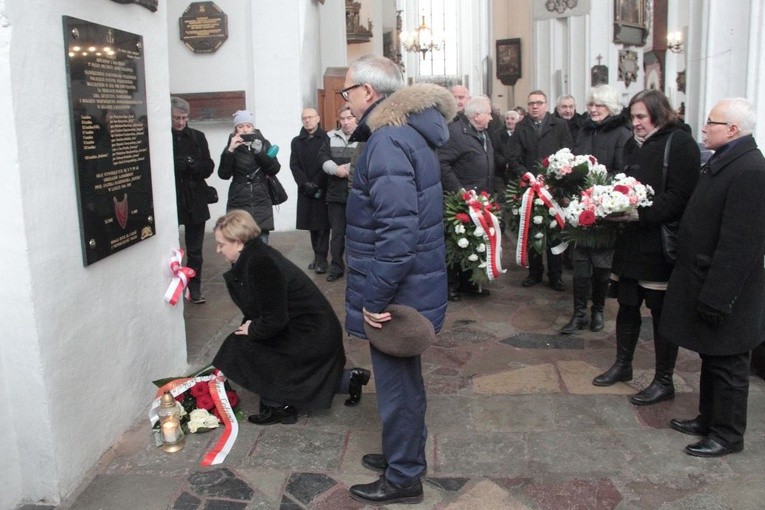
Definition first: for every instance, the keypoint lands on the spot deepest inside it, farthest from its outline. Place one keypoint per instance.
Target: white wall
(73, 336)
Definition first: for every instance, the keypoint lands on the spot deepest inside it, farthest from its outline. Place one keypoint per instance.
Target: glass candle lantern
(169, 414)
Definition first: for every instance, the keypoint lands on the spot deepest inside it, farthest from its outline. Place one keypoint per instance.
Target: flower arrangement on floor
(473, 241)
(534, 201)
(586, 214)
(205, 400)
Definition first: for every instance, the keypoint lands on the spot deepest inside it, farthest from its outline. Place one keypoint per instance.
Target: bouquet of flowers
(566, 174)
(205, 400)
(585, 214)
(534, 201)
(473, 241)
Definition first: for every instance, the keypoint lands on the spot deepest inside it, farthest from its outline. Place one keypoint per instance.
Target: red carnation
(466, 196)
(484, 194)
(621, 188)
(180, 397)
(205, 402)
(199, 389)
(464, 218)
(215, 413)
(546, 162)
(593, 161)
(586, 218)
(233, 398)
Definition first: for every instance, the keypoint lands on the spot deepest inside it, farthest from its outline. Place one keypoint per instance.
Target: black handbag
(669, 229)
(275, 190)
(211, 194)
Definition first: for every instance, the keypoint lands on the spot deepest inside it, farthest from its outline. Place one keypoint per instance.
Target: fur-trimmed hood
(422, 106)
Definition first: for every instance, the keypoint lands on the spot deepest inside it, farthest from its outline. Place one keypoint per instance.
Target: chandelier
(421, 40)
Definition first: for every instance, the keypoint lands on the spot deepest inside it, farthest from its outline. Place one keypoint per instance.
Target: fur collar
(416, 98)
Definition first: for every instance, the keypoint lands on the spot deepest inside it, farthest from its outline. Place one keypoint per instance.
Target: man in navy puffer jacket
(395, 252)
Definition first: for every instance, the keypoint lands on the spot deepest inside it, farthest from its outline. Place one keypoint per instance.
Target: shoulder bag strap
(666, 162)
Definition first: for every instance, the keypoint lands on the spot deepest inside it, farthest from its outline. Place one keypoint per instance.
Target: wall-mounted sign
(203, 27)
(110, 137)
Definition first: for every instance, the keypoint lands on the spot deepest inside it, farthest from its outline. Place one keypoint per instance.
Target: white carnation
(480, 248)
(472, 257)
(463, 243)
(539, 235)
(537, 220)
(459, 229)
(538, 201)
(479, 232)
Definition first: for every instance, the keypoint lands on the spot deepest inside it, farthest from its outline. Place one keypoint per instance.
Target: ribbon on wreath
(536, 189)
(215, 381)
(181, 277)
(483, 218)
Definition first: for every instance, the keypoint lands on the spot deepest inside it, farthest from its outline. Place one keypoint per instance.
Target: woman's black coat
(306, 160)
(721, 248)
(605, 141)
(638, 251)
(248, 190)
(293, 353)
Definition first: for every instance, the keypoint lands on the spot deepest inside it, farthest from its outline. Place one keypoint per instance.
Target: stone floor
(514, 422)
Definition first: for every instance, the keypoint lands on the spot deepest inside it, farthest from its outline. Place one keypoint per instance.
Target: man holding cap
(395, 255)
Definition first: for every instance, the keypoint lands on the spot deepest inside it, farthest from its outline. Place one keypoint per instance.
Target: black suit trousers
(724, 390)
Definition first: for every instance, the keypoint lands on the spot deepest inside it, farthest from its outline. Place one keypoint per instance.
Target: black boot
(359, 378)
(662, 387)
(600, 279)
(579, 319)
(626, 339)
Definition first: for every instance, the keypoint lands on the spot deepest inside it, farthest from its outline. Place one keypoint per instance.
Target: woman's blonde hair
(238, 226)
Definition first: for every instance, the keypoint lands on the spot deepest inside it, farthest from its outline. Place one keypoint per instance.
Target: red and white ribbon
(536, 188)
(181, 277)
(217, 453)
(482, 217)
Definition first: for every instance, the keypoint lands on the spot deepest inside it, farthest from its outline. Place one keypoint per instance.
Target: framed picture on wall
(630, 24)
(508, 60)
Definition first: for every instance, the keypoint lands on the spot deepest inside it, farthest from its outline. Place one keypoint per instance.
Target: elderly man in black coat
(715, 298)
(306, 166)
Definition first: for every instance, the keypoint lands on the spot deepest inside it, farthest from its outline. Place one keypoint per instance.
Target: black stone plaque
(204, 27)
(107, 100)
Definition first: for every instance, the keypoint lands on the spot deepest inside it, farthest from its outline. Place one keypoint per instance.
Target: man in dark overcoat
(715, 297)
(306, 166)
(193, 165)
(537, 136)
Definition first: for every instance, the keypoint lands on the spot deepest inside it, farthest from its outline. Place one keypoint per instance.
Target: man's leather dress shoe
(384, 492)
(557, 285)
(359, 378)
(375, 462)
(708, 447)
(691, 427)
(333, 277)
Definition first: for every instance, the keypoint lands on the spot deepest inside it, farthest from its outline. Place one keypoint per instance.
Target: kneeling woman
(289, 348)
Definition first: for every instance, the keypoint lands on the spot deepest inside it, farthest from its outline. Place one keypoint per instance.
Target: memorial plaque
(204, 27)
(107, 100)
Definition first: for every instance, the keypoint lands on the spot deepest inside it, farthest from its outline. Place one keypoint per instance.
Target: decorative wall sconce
(675, 42)
(421, 40)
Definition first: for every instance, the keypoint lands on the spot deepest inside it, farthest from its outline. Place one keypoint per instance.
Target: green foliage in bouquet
(466, 244)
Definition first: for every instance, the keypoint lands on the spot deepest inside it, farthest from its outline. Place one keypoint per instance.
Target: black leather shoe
(557, 284)
(384, 492)
(708, 447)
(655, 392)
(531, 281)
(321, 269)
(375, 462)
(454, 296)
(691, 427)
(270, 415)
(312, 265)
(333, 277)
(359, 378)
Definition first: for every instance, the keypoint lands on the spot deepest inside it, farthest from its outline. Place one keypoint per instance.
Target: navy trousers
(401, 403)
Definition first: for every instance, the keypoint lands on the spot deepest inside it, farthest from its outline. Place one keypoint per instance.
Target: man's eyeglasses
(344, 92)
(535, 103)
(715, 123)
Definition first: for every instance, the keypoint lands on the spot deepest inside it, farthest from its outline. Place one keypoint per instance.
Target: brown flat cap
(407, 333)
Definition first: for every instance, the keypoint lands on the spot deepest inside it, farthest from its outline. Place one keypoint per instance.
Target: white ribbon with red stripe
(181, 277)
(536, 188)
(215, 381)
(482, 217)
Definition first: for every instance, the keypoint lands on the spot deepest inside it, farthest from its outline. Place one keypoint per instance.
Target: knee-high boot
(600, 280)
(626, 339)
(662, 387)
(579, 319)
